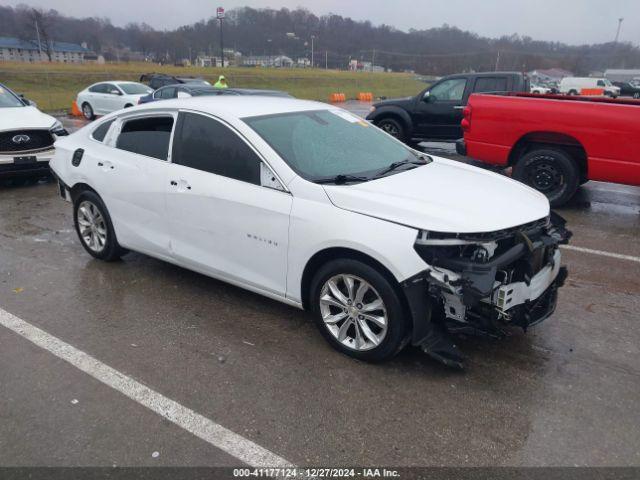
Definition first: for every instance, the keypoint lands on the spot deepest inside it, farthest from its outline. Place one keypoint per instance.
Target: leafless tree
(36, 27)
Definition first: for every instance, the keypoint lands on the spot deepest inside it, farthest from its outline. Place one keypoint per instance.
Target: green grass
(54, 86)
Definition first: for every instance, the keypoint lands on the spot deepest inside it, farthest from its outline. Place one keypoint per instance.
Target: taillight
(466, 119)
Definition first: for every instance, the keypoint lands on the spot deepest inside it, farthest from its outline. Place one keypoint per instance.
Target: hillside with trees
(438, 50)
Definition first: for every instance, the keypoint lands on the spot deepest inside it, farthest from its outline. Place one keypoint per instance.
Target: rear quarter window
(99, 133)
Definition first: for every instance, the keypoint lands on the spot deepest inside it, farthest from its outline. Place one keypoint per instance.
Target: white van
(575, 85)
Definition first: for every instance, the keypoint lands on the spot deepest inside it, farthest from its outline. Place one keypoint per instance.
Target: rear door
(228, 213)
(438, 113)
(129, 171)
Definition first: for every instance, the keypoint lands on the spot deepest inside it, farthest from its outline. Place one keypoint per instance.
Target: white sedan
(310, 205)
(106, 97)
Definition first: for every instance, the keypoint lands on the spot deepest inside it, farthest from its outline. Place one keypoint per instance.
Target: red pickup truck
(555, 143)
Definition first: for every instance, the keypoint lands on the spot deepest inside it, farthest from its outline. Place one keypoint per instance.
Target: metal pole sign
(220, 15)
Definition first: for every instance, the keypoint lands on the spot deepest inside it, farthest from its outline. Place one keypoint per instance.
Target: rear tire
(94, 227)
(393, 127)
(365, 319)
(87, 111)
(551, 172)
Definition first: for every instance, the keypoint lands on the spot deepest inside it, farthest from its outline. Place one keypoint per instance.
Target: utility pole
(497, 60)
(620, 20)
(220, 15)
(326, 59)
(373, 59)
(313, 37)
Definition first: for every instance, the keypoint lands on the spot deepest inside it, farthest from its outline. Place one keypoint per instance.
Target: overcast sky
(571, 21)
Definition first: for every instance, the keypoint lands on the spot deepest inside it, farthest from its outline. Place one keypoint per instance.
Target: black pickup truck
(436, 112)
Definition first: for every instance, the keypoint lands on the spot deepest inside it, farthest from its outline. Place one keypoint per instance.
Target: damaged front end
(482, 283)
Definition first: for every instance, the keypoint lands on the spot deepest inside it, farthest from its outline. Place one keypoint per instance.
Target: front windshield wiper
(342, 179)
(418, 161)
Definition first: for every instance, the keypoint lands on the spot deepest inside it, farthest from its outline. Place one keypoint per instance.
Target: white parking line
(209, 431)
(602, 253)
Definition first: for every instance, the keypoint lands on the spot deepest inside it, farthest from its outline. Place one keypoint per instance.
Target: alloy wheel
(390, 128)
(353, 312)
(92, 226)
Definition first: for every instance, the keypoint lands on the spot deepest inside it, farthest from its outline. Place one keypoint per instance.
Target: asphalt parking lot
(566, 393)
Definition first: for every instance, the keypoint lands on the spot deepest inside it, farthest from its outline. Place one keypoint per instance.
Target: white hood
(444, 196)
(19, 118)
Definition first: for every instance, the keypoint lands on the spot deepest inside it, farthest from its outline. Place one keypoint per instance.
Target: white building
(278, 61)
(616, 75)
(16, 50)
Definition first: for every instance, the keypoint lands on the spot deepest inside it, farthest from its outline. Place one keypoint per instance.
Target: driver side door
(439, 112)
(112, 98)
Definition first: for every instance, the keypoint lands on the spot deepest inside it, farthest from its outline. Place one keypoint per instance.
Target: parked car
(540, 90)
(628, 89)
(195, 90)
(106, 97)
(308, 204)
(575, 86)
(436, 112)
(159, 80)
(26, 137)
(555, 144)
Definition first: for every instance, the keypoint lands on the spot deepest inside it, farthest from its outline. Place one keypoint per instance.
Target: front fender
(391, 111)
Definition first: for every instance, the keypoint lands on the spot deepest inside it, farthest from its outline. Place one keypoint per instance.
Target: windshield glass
(328, 143)
(135, 88)
(8, 99)
(607, 82)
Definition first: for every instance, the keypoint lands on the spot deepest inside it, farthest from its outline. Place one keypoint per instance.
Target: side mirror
(427, 98)
(115, 92)
(183, 95)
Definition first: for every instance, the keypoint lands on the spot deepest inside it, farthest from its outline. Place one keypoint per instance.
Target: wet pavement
(566, 393)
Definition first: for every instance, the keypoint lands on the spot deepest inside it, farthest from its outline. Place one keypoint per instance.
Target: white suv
(309, 205)
(26, 137)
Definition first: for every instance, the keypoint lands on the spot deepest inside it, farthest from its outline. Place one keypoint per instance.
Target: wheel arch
(395, 113)
(545, 139)
(335, 253)
(80, 188)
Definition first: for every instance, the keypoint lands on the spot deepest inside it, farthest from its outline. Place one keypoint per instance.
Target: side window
(109, 87)
(490, 84)
(601, 83)
(206, 144)
(167, 93)
(100, 88)
(449, 90)
(101, 132)
(148, 136)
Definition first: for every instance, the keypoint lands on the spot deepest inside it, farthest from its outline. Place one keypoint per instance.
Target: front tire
(393, 127)
(87, 111)
(551, 172)
(94, 227)
(358, 311)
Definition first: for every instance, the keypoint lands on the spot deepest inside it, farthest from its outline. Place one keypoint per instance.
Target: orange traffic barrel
(75, 111)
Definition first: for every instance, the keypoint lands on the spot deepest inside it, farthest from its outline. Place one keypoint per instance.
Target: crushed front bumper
(515, 286)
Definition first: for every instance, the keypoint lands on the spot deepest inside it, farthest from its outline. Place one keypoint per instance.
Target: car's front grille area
(23, 141)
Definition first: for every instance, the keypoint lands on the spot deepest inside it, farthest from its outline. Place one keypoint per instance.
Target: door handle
(459, 107)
